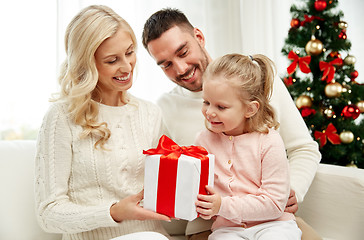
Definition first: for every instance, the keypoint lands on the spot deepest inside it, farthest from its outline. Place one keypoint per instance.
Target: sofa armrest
(334, 204)
(17, 207)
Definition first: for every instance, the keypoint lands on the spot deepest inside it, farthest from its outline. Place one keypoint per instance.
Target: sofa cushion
(17, 207)
(334, 204)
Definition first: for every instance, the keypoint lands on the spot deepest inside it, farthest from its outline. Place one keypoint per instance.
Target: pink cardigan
(251, 175)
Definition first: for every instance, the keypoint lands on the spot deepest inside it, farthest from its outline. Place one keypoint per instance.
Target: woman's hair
(78, 75)
(252, 77)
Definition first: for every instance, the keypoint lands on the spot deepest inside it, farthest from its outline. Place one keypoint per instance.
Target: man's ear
(199, 36)
(252, 109)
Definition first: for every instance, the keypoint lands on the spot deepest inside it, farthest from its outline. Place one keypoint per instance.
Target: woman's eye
(112, 61)
(130, 53)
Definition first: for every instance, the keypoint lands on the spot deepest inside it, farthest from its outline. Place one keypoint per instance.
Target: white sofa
(334, 205)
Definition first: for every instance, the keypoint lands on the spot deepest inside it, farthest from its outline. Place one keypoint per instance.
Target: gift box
(174, 176)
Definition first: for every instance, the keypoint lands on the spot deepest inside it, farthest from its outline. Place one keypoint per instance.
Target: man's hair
(162, 21)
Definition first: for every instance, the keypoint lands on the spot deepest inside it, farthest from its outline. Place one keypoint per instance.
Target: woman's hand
(208, 205)
(129, 208)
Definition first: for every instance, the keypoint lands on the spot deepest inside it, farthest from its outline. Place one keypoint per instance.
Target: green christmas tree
(322, 80)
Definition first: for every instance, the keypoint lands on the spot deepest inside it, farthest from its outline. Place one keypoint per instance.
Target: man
(179, 49)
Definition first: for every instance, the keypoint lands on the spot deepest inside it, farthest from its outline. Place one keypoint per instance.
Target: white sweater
(182, 114)
(76, 184)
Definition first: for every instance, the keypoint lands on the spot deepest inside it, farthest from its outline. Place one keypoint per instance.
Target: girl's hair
(78, 75)
(252, 77)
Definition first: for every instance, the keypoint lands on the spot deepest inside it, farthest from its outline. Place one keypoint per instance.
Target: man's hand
(292, 205)
(129, 208)
(208, 205)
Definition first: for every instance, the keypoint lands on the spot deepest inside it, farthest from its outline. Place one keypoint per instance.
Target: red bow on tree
(288, 81)
(302, 62)
(330, 134)
(329, 69)
(309, 19)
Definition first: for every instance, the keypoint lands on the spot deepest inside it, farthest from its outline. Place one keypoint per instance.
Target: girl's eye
(221, 107)
(129, 53)
(206, 103)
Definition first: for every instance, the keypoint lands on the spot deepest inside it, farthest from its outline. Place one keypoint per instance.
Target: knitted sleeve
(54, 211)
(302, 151)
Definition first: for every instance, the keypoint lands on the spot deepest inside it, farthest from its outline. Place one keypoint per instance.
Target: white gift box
(187, 184)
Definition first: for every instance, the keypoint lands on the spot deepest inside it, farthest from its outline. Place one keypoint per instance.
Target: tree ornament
(360, 105)
(354, 75)
(350, 111)
(342, 25)
(307, 111)
(335, 54)
(342, 35)
(349, 60)
(329, 69)
(303, 101)
(346, 137)
(329, 113)
(320, 5)
(295, 23)
(352, 164)
(302, 62)
(328, 134)
(314, 47)
(333, 89)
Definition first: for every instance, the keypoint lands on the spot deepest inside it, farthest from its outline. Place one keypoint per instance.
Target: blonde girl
(251, 175)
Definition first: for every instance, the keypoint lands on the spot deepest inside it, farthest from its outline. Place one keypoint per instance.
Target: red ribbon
(309, 19)
(167, 177)
(329, 69)
(288, 81)
(330, 134)
(302, 62)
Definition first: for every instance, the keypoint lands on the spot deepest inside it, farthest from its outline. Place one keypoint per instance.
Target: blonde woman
(89, 162)
(251, 169)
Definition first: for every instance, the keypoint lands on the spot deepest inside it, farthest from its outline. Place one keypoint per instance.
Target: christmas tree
(322, 80)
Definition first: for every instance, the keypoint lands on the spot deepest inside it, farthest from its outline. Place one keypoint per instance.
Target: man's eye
(165, 66)
(184, 53)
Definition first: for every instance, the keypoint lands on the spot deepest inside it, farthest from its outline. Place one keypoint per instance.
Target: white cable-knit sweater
(76, 184)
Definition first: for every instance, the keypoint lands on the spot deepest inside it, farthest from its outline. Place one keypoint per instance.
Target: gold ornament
(314, 47)
(346, 137)
(303, 101)
(352, 164)
(360, 105)
(342, 25)
(333, 89)
(349, 60)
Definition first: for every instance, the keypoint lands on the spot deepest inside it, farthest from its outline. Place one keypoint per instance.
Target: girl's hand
(129, 208)
(208, 205)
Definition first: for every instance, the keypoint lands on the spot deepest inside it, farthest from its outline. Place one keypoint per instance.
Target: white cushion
(17, 208)
(334, 204)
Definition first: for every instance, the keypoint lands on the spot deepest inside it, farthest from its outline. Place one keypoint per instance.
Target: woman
(89, 162)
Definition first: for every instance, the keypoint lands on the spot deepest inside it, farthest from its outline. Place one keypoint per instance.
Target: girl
(251, 173)
(90, 162)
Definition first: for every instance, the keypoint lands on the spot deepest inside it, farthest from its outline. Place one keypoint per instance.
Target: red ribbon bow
(330, 134)
(309, 19)
(329, 69)
(168, 165)
(302, 62)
